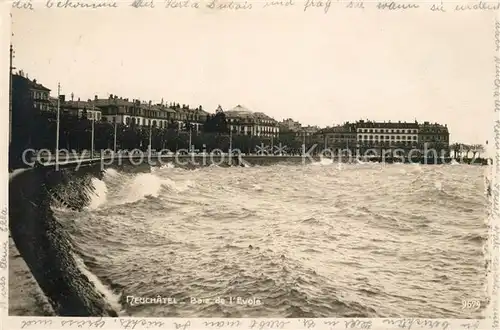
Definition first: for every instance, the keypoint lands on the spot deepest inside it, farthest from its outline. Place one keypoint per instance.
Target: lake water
(322, 240)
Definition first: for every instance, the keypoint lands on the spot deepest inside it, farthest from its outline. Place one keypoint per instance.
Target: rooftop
(242, 112)
(30, 83)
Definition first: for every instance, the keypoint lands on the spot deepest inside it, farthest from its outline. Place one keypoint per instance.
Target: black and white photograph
(185, 159)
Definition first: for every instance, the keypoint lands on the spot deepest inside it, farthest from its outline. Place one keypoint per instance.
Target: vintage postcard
(250, 164)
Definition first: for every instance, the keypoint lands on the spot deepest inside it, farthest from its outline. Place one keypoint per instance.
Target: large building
(135, 112)
(79, 108)
(434, 136)
(29, 99)
(26, 90)
(290, 125)
(362, 136)
(308, 130)
(195, 117)
(339, 137)
(387, 135)
(245, 122)
(132, 113)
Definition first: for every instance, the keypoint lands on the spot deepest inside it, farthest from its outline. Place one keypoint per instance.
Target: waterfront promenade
(190, 160)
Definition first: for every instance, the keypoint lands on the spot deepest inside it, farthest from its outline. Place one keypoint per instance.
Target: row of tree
(459, 150)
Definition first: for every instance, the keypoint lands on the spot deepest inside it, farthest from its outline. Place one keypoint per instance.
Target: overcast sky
(320, 69)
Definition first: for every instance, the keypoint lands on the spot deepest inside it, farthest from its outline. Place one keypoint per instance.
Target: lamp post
(11, 68)
(92, 134)
(150, 130)
(114, 139)
(304, 140)
(58, 124)
(150, 135)
(190, 139)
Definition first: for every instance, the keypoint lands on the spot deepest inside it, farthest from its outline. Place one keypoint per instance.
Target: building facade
(195, 117)
(374, 138)
(245, 122)
(79, 108)
(290, 125)
(30, 90)
(386, 135)
(145, 114)
(337, 138)
(434, 136)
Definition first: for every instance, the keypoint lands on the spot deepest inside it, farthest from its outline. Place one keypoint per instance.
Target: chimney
(72, 95)
(78, 99)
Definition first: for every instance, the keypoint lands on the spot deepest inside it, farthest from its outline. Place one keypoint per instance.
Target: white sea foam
(99, 196)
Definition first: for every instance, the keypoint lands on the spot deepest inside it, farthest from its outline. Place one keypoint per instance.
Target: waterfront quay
(224, 160)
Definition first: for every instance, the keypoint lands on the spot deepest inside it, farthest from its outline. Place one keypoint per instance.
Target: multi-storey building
(195, 117)
(137, 113)
(339, 137)
(386, 135)
(29, 98)
(290, 125)
(29, 91)
(80, 108)
(434, 136)
(307, 131)
(243, 121)
(133, 113)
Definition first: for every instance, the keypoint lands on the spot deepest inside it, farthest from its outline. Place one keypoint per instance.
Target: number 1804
(471, 304)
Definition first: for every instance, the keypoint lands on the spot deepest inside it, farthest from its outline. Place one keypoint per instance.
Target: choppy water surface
(319, 241)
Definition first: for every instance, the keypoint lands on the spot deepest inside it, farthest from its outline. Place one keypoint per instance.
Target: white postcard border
(16, 322)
